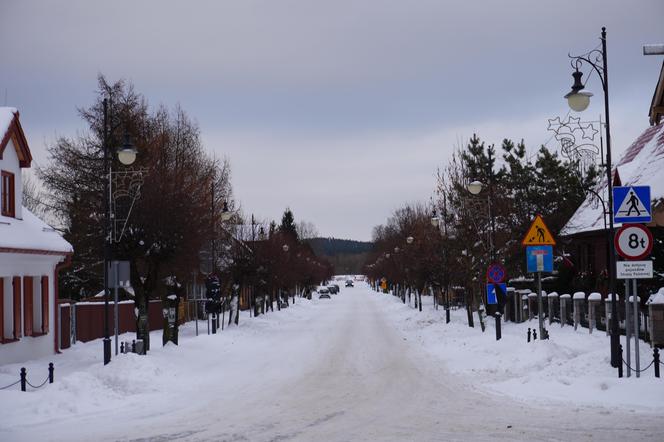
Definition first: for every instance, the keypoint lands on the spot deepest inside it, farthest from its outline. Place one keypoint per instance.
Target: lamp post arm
(601, 200)
(578, 60)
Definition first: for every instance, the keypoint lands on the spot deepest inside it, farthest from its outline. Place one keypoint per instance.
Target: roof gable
(657, 105)
(10, 129)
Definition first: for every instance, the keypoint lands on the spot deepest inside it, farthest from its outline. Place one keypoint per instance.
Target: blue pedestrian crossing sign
(491, 296)
(631, 204)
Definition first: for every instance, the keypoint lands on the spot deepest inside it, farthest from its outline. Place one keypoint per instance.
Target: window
(16, 286)
(44, 304)
(8, 194)
(27, 305)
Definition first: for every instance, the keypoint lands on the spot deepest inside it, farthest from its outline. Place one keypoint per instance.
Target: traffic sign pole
(635, 307)
(539, 305)
(628, 330)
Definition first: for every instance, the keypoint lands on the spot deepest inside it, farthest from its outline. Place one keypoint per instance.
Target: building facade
(31, 254)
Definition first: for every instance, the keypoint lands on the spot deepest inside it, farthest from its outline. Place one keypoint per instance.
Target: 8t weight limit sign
(633, 241)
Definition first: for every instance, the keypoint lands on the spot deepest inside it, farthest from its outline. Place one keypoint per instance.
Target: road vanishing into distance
(340, 372)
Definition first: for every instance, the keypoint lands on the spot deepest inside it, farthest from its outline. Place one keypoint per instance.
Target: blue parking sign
(491, 295)
(631, 204)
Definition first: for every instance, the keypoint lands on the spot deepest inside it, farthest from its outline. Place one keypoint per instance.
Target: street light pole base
(107, 350)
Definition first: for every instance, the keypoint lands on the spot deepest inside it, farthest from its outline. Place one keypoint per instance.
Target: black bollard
(529, 334)
(447, 315)
(214, 324)
(133, 345)
(498, 331)
(50, 372)
(534, 335)
(656, 358)
(23, 378)
(620, 364)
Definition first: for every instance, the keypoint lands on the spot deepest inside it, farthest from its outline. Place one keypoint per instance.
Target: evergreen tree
(288, 226)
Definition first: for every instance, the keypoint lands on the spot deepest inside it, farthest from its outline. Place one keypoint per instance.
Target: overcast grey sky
(341, 110)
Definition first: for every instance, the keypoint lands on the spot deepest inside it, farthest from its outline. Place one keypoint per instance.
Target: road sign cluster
(631, 204)
(495, 276)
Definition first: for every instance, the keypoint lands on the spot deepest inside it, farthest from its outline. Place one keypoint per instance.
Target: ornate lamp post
(578, 100)
(126, 155)
(435, 222)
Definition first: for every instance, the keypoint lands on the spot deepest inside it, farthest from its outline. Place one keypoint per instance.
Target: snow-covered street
(354, 367)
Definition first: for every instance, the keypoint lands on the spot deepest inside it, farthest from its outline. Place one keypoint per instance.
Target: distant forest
(346, 255)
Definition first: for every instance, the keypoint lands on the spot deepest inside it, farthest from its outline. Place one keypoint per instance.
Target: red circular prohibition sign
(625, 252)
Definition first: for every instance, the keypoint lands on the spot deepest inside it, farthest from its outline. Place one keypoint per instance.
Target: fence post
(23, 378)
(50, 372)
(620, 364)
(656, 357)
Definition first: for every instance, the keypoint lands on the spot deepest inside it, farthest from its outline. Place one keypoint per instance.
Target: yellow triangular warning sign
(538, 234)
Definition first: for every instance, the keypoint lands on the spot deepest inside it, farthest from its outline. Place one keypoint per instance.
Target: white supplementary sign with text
(634, 269)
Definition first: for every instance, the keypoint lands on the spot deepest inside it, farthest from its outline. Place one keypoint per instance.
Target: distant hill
(346, 255)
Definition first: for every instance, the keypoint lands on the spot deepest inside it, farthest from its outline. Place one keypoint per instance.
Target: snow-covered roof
(32, 235)
(10, 129)
(594, 296)
(6, 117)
(641, 164)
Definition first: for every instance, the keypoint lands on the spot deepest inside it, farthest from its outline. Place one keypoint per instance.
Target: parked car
(349, 283)
(324, 293)
(334, 289)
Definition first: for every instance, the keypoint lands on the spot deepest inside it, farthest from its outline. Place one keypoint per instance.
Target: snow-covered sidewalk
(571, 367)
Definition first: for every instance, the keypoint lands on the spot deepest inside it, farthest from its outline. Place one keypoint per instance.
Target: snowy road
(335, 371)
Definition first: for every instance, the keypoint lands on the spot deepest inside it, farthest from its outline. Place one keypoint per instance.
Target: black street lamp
(435, 222)
(126, 155)
(578, 100)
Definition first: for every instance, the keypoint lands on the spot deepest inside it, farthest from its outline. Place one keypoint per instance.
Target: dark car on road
(349, 283)
(334, 289)
(324, 293)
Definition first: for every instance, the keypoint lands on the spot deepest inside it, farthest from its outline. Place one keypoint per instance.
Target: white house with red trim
(31, 254)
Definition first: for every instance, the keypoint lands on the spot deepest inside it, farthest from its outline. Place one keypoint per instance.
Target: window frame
(8, 193)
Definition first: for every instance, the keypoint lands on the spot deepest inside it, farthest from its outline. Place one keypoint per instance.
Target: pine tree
(288, 226)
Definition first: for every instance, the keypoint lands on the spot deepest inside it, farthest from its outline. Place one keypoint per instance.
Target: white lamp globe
(578, 101)
(475, 187)
(127, 156)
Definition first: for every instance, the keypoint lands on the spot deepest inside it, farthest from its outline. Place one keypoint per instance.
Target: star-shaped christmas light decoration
(554, 123)
(574, 123)
(589, 132)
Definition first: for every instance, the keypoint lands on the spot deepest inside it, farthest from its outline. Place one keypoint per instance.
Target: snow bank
(133, 387)
(571, 367)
